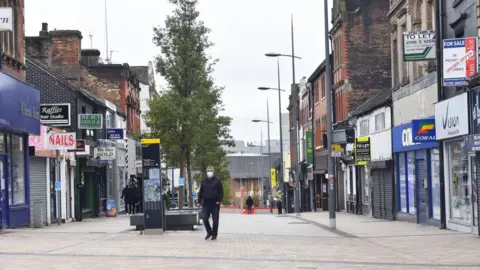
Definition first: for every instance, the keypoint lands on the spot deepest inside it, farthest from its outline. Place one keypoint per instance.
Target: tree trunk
(190, 185)
(182, 175)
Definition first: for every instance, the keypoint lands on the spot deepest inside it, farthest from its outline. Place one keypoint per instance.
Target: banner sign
(309, 143)
(419, 46)
(273, 177)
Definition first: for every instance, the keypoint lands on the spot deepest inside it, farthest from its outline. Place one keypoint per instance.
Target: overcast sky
(242, 30)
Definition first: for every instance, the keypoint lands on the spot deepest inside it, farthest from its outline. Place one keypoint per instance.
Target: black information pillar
(154, 210)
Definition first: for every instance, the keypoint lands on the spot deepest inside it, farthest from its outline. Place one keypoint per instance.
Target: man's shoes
(214, 237)
(208, 236)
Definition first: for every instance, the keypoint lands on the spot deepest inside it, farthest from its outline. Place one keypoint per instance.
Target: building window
(108, 119)
(2, 142)
(364, 126)
(411, 182)
(323, 88)
(395, 64)
(18, 163)
(317, 92)
(435, 184)
(460, 188)
(380, 121)
(402, 179)
(403, 63)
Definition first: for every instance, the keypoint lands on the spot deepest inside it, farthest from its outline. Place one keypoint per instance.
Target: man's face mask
(210, 174)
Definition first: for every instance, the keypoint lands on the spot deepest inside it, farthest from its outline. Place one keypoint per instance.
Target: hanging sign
(115, 133)
(6, 19)
(460, 60)
(61, 141)
(55, 114)
(362, 150)
(273, 177)
(105, 153)
(419, 46)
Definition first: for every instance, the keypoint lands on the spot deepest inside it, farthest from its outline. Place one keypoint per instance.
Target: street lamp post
(268, 134)
(295, 98)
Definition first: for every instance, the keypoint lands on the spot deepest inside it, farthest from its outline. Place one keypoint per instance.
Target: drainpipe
(393, 161)
(439, 28)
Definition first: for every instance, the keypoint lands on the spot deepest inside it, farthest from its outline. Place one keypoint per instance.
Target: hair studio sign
(55, 114)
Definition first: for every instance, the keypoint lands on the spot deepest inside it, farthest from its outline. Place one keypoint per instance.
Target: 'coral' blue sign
(423, 131)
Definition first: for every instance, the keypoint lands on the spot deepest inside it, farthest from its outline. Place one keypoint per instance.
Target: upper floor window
(364, 126)
(322, 86)
(380, 121)
(108, 120)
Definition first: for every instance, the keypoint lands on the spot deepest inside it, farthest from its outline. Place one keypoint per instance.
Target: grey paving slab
(245, 242)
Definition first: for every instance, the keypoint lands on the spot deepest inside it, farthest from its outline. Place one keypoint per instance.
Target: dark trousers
(249, 209)
(127, 207)
(214, 211)
(132, 208)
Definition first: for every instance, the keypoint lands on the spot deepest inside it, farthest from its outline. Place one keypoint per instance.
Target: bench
(178, 219)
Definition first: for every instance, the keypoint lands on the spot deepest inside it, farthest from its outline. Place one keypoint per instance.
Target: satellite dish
(151, 74)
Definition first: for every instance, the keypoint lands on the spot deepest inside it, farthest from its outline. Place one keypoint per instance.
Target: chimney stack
(40, 48)
(67, 45)
(90, 57)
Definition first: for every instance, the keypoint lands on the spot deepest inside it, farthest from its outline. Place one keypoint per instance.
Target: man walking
(126, 201)
(210, 196)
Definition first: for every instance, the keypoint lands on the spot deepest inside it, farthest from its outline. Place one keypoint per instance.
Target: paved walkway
(245, 242)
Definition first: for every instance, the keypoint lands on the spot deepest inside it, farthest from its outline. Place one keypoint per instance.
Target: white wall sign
(105, 153)
(6, 19)
(419, 46)
(460, 57)
(451, 117)
(62, 141)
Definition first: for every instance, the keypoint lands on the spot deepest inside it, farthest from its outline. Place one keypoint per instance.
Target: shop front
(40, 158)
(452, 124)
(19, 117)
(417, 170)
(321, 183)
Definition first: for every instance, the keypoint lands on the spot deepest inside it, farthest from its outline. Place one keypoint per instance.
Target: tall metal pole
(269, 152)
(328, 86)
(295, 125)
(440, 96)
(282, 168)
(57, 192)
(106, 32)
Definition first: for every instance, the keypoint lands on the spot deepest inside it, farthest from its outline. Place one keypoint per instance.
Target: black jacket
(249, 202)
(211, 190)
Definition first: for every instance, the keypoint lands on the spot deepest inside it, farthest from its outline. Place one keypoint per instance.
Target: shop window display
(18, 160)
(460, 188)
(403, 183)
(411, 182)
(435, 184)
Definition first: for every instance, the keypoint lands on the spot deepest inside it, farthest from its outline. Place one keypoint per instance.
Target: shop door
(382, 194)
(3, 201)
(421, 191)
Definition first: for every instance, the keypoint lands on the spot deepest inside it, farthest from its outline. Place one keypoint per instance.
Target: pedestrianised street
(260, 241)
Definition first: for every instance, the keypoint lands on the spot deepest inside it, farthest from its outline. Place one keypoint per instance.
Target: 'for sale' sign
(61, 141)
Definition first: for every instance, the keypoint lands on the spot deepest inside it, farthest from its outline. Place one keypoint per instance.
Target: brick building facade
(13, 53)
(361, 52)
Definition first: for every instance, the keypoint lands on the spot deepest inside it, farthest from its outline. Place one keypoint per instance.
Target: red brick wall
(15, 64)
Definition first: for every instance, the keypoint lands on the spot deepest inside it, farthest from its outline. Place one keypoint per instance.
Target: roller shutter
(38, 186)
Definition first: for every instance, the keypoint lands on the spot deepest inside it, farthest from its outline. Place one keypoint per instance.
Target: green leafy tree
(191, 100)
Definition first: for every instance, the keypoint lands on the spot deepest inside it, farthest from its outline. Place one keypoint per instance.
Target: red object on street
(244, 211)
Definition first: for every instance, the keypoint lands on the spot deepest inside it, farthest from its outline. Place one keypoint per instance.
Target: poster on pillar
(362, 150)
(273, 177)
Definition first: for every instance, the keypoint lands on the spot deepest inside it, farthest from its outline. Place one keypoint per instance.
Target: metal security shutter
(38, 186)
(388, 194)
(377, 190)
(477, 178)
(421, 192)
